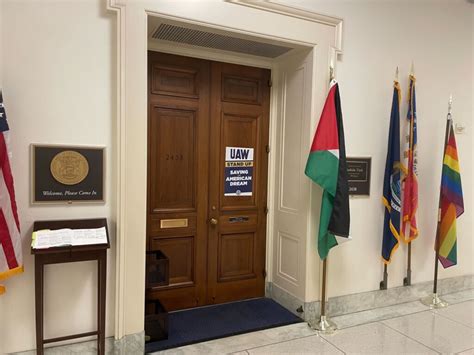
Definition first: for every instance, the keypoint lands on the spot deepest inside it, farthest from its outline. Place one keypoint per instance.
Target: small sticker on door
(238, 171)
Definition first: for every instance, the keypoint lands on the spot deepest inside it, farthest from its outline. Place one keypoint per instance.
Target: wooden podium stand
(65, 255)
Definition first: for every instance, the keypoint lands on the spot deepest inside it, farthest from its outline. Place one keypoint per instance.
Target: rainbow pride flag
(451, 202)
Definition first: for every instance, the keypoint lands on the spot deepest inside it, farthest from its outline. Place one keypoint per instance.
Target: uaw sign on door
(238, 171)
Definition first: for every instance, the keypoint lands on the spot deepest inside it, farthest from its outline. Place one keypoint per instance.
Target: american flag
(11, 259)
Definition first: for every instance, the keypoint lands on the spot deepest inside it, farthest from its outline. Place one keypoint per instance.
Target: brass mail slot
(174, 223)
(238, 219)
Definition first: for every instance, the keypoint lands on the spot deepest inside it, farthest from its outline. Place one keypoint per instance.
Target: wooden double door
(207, 178)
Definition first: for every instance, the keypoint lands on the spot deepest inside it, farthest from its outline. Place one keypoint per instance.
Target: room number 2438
(173, 156)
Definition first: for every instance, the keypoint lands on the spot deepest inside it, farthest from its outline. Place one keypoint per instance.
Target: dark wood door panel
(178, 123)
(171, 75)
(236, 256)
(236, 252)
(197, 108)
(177, 298)
(173, 167)
(237, 290)
(181, 251)
(174, 81)
(246, 90)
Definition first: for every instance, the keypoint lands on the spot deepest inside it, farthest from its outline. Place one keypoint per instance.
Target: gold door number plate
(173, 223)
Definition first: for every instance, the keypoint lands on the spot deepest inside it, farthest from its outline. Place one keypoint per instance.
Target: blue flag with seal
(392, 183)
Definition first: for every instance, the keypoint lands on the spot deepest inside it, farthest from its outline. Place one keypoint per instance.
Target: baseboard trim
(133, 344)
(364, 301)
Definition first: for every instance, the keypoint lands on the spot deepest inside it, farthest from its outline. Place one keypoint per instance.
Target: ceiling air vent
(212, 40)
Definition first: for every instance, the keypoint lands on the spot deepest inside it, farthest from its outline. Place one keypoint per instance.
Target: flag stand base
(324, 325)
(434, 302)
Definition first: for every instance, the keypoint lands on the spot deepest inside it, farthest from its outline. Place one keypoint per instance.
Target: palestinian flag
(326, 166)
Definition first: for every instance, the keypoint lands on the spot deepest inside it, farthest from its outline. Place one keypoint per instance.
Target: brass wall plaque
(69, 167)
(174, 223)
(67, 174)
(358, 175)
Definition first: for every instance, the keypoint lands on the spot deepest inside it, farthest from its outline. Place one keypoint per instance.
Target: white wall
(57, 61)
(59, 87)
(378, 36)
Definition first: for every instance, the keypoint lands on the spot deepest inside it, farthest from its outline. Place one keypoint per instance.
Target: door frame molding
(130, 128)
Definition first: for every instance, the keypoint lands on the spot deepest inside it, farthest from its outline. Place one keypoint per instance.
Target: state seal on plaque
(69, 167)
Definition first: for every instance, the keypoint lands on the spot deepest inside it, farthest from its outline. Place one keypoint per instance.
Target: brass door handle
(213, 221)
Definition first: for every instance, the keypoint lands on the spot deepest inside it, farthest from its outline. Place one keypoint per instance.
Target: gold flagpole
(324, 325)
(433, 300)
(407, 279)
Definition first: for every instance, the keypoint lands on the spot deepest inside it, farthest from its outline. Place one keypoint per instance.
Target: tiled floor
(404, 329)
(409, 328)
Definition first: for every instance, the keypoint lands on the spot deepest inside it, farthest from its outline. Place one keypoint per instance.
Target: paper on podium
(46, 238)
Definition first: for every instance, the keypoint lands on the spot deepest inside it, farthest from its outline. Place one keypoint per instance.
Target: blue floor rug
(207, 323)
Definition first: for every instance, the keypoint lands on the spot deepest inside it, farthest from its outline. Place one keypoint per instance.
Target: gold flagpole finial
(450, 105)
(331, 74)
(396, 74)
(412, 69)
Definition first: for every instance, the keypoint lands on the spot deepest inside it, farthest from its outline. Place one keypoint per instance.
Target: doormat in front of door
(219, 321)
